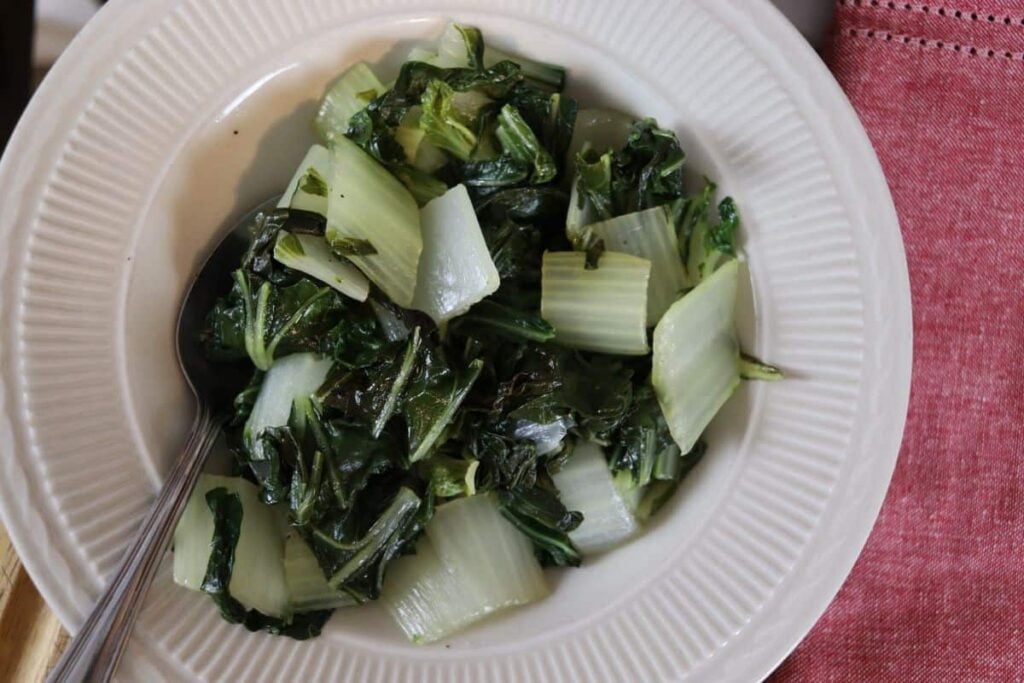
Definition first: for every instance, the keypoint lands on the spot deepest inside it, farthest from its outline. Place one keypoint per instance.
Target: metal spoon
(94, 653)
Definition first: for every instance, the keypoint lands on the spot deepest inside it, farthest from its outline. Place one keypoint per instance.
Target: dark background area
(16, 17)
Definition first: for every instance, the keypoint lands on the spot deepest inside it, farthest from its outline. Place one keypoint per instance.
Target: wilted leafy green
(538, 513)
(410, 415)
(646, 172)
(432, 400)
(658, 492)
(374, 127)
(643, 438)
(521, 144)
(444, 124)
(506, 321)
(355, 549)
(227, 523)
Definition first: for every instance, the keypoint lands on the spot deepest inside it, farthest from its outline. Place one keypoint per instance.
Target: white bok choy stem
(456, 270)
(696, 355)
(453, 52)
(600, 129)
(292, 377)
(356, 88)
(310, 254)
(308, 188)
(374, 221)
(305, 580)
(648, 234)
(471, 563)
(585, 484)
(602, 309)
(257, 580)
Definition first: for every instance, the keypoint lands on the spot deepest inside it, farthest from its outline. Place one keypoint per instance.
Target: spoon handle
(95, 651)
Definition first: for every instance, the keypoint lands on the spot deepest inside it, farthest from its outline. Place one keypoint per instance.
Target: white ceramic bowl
(165, 119)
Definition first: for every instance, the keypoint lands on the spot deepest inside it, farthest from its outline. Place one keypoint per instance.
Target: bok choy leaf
(348, 95)
(472, 563)
(648, 234)
(368, 205)
(456, 270)
(602, 309)
(696, 355)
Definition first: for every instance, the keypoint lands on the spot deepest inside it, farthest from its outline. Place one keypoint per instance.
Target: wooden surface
(31, 638)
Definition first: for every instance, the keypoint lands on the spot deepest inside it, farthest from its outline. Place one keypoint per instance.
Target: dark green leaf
(644, 435)
(356, 339)
(658, 492)
(432, 399)
(223, 335)
(373, 127)
(397, 388)
(357, 563)
(705, 245)
(551, 116)
(227, 524)
(505, 460)
(520, 143)
(351, 246)
(505, 321)
(487, 175)
(227, 527)
(540, 206)
(600, 390)
(539, 514)
(648, 171)
(273, 455)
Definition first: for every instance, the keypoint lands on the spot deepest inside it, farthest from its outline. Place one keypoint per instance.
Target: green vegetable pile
(450, 318)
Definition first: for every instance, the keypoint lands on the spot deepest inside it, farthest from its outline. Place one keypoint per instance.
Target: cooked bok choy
(374, 221)
(695, 373)
(603, 308)
(650, 235)
(472, 562)
(448, 319)
(585, 484)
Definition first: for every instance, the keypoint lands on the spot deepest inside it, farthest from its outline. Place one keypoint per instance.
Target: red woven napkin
(938, 594)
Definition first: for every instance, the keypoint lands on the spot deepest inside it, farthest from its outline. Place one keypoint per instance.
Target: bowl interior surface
(244, 150)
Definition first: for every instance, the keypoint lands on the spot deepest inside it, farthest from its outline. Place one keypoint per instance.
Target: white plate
(128, 161)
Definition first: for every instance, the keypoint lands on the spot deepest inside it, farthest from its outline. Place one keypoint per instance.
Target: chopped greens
(346, 97)
(456, 269)
(648, 234)
(471, 562)
(447, 318)
(374, 221)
